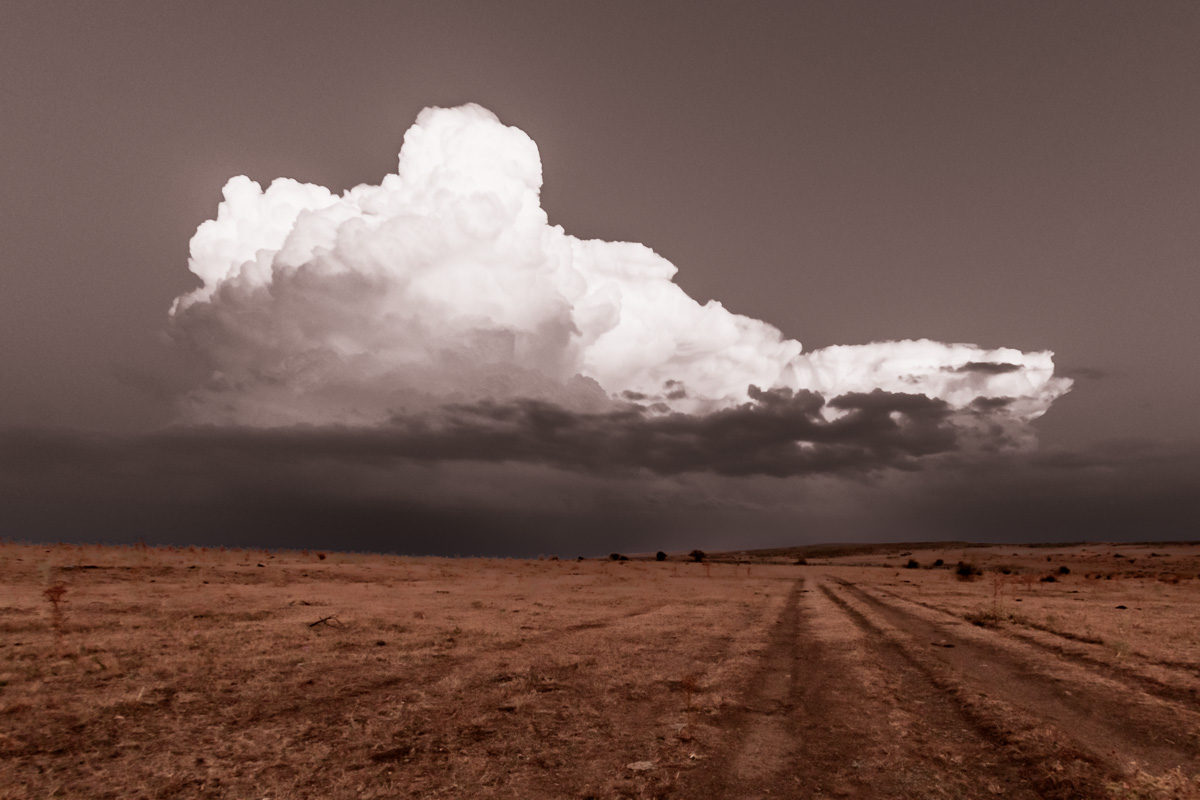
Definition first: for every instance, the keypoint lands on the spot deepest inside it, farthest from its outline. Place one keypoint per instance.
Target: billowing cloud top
(446, 285)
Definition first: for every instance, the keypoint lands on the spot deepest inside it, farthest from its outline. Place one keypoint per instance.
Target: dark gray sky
(1023, 174)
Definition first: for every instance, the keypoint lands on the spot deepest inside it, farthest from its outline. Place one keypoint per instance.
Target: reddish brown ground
(200, 674)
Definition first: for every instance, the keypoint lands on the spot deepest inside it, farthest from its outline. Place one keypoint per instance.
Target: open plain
(920, 671)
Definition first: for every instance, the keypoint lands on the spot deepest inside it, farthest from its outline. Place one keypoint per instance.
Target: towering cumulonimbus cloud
(446, 284)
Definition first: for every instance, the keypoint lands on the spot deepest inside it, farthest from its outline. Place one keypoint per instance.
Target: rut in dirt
(833, 713)
(759, 732)
(1115, 723)
(1180, 688)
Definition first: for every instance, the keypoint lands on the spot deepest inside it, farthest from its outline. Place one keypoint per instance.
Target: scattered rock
(640, 766)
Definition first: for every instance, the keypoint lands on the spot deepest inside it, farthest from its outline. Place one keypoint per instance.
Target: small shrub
(939, 563)
(913, 564)
(967, 572)
(800, 562)
(983, 618)
(1049, 579)
(660, 556)
(697, 555)
(1064, 570)
(321, 556)
(615, 556)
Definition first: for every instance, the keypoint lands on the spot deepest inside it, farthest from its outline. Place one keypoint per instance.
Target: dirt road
(864, 694)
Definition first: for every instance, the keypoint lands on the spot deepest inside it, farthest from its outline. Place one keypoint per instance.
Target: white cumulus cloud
(446, 283)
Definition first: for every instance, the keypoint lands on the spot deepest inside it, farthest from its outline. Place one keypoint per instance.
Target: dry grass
(192, 673)
(198, 673)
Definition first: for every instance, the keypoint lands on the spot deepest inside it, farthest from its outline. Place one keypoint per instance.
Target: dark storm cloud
(780, 434)
(489, 478)
(323, 488)
(985, 405)
(81, 489)
(987, 368)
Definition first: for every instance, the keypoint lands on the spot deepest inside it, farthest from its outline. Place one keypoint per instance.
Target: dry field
(189, 673)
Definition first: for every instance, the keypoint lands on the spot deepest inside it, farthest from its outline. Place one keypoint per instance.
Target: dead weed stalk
(54, 594)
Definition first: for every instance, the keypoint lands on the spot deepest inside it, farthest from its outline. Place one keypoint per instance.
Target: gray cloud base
(523, 478)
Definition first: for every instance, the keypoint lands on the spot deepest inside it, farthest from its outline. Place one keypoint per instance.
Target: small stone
(640, 766)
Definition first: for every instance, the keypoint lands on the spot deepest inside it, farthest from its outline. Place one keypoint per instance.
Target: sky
(893, 271)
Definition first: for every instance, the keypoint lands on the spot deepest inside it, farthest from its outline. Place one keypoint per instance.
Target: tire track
(1105, 723)
(766, 746)
(1057, 770)
(834, 712)
(1173, 691)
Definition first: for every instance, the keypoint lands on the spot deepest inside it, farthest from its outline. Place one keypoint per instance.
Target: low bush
(967, 572)
(983, 618)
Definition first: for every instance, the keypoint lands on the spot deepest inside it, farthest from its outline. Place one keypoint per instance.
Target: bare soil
(191, 673)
